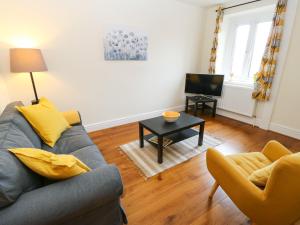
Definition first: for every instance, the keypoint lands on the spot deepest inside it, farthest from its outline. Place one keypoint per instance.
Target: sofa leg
(213, 190)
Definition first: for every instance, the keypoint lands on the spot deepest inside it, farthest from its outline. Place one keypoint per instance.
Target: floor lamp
(27, 60)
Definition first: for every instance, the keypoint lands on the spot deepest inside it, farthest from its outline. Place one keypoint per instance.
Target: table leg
(201, 134)
(186, 105)
(215, 109)
(141, 132)
(196, 108)
(203, 107)
(160, 150)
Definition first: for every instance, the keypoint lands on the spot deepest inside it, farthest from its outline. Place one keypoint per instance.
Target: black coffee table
(177, 131)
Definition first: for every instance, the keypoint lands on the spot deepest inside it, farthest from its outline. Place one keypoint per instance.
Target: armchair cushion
(247, 163)
(273, 151)
(260, 177)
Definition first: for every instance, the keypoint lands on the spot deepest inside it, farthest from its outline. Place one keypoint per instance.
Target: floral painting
(125, 44)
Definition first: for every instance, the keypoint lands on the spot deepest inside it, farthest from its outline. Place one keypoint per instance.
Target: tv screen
(205, 84)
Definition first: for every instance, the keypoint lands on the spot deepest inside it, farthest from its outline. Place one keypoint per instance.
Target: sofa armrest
(274, 150)
(73, 117)
(63, 200)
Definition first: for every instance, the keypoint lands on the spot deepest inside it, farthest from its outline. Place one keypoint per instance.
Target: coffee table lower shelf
(176, 137)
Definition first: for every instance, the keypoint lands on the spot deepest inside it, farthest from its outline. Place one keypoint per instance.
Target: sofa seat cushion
(247, 163)
(71, 140)
(91, 156)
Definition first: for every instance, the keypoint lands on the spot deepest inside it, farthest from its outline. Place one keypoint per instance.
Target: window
(242, 44)
(261, 38)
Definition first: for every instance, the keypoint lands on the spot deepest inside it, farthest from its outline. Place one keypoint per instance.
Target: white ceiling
(206, 3)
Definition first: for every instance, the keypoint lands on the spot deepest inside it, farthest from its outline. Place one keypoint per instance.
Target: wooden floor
(180, 195)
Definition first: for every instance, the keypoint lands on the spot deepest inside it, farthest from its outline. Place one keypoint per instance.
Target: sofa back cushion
(71, 140)
(12, 115)
(15, 178)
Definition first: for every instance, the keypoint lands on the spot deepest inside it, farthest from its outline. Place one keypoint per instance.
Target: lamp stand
(36, 101)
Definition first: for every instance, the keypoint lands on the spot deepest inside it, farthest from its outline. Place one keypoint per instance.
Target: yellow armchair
(279, 202)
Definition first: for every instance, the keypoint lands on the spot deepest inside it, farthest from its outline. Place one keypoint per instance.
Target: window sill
(239, 84)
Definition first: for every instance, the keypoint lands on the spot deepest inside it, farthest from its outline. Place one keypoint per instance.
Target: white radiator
(237, 99)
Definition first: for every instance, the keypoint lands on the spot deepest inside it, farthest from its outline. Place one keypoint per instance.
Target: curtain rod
(234, 6)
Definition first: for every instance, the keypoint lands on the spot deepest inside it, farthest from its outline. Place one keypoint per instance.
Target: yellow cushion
(50, 165)
(47, 121)
(247, 163)
(72, 117)
(260, 177)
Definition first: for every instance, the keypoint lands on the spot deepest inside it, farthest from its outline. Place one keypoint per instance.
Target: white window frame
(231, 23)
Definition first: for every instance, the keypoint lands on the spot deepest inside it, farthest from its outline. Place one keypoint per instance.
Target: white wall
(70, 35)
(287, 108)
(4, 98)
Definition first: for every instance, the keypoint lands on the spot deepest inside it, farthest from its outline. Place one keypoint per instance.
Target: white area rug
(146, 158)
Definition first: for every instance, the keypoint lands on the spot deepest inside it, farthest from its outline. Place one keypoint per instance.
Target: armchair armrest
(63, 200)
(274, 150)
(72, 116)
(282, 191)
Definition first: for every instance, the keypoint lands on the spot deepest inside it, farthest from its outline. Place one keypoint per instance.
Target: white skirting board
(278, 128)
(288, 131)
(134, 118)
(237, 116)
(291, 132)
(129, 119)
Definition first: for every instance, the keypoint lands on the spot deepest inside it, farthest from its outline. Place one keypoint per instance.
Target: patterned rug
(146, 158)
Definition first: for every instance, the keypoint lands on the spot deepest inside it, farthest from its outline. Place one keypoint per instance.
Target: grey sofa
(29, 199)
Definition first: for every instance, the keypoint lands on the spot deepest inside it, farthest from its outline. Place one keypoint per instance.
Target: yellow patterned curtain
(264, 78)
(213, 54)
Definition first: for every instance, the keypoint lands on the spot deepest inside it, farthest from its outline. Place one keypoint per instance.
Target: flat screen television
(205, 84)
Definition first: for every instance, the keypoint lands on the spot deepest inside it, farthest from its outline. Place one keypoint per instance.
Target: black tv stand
(201, 99)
